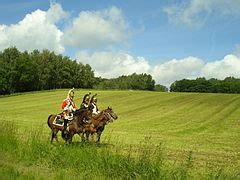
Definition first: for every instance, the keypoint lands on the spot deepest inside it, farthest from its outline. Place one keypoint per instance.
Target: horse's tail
(48, 121)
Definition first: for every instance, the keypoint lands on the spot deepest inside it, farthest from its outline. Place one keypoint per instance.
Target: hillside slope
(206, 124)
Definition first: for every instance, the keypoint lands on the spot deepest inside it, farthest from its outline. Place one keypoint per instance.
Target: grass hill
(203, 129)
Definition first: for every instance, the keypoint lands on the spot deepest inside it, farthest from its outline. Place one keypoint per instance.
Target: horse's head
(110, 114)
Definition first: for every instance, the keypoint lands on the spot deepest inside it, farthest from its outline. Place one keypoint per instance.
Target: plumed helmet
(86, 97)
(70, 93)
(94, 98)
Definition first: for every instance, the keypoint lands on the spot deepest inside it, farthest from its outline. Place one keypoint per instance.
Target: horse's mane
(79, 111)
(98, 115)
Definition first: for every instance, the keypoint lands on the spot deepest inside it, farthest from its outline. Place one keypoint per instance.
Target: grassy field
(168, 135)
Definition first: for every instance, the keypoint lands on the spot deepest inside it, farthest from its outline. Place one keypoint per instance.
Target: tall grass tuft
(8, 139)
(86, 160)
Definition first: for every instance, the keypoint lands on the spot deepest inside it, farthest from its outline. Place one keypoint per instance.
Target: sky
(169, 39)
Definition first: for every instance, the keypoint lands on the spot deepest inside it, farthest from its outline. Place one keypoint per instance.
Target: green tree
(161, 88)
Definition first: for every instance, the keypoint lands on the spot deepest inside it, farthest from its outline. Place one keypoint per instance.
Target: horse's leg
(92, 137)
(52, 136)
(56, 135)
(65, 137)
(87, 137)
(99, 133)
(82, 137)
(68, 141)
(70, 137)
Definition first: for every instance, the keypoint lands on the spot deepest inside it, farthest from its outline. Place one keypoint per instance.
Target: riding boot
(65, 126)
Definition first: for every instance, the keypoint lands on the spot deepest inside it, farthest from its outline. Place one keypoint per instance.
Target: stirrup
(70, 117)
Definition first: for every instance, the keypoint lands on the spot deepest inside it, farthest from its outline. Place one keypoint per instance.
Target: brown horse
(75, 126)
(98, 123)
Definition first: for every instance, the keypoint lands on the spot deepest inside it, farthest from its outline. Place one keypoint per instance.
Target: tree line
(134, 81)
(228, 85)
(34, 71)
(23, 71)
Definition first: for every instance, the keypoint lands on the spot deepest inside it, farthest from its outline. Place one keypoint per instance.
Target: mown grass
(199, 136)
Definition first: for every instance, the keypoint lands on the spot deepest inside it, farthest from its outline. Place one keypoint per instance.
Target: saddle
(59, 120)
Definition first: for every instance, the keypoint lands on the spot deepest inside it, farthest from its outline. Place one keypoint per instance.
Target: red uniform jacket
(68, 104)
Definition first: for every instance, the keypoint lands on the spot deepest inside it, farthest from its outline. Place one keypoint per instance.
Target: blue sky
(170, 39)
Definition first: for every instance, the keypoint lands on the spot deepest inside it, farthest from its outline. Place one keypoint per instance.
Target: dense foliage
(161, 88)
(228, 85)
(134, 81)
(23, 71)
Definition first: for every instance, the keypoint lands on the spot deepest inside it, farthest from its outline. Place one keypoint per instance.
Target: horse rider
(85, 101)
(85, 105)
(93, 105)
(68, 106)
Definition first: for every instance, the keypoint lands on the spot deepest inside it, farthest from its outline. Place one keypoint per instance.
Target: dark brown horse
(98, 123)
(75, 126)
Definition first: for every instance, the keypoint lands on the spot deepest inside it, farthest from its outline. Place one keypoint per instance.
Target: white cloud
(228, 66)
(93, 29)
(36, 31)
(172, 70)
(55, 13)
(192, 67)
(109, 64)
(195, 13)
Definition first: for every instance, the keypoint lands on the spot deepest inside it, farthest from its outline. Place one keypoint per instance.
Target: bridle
(108, 116)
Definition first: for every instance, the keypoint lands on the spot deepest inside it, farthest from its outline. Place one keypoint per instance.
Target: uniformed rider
(85, 101)
(68, 106)
(93, 105)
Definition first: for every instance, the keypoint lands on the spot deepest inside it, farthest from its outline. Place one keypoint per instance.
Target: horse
(76, 125)
(98, 122)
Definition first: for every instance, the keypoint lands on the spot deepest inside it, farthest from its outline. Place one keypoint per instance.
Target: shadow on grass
(87, 144)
